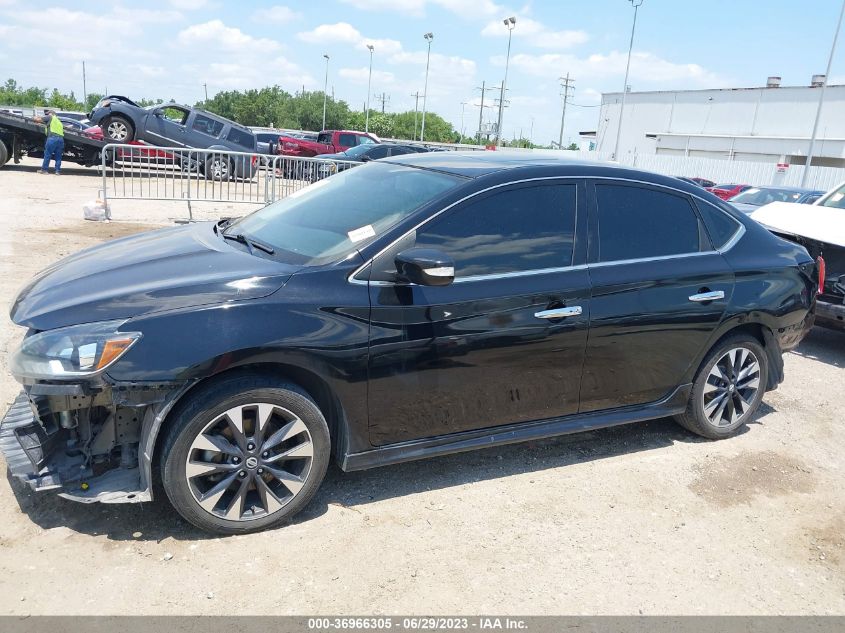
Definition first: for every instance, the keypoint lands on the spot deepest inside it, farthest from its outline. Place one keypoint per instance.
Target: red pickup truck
(328, 142)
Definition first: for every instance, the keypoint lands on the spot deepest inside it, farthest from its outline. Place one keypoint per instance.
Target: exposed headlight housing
(69, 352)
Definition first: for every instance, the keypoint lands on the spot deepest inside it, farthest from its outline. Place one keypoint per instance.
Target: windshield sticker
(356, 235)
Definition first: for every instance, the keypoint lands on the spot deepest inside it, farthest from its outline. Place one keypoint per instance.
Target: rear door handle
(558, 313)
(707, 296)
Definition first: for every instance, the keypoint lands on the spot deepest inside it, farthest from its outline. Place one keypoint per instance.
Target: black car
(411, 307)
(364, 153)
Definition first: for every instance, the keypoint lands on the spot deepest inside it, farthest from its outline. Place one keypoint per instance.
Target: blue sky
(169, 48)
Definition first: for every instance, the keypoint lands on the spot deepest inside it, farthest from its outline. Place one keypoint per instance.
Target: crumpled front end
(85, 441)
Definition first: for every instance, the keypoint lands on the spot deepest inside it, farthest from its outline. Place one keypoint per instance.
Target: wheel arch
(761, 332)
(315, 386)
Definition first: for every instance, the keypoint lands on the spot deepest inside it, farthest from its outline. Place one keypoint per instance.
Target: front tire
(728, 388)
(118, 130)
(244, 454)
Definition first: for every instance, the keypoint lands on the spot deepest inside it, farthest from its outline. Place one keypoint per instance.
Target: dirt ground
(641, 519)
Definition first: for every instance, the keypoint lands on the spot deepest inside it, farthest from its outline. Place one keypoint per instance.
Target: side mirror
(425, 267)
(365, 158)
(157, 113)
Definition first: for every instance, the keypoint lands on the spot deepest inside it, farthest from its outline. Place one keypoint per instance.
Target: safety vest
(55, 128)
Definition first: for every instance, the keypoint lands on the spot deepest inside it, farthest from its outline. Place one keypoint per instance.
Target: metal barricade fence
(147, 172)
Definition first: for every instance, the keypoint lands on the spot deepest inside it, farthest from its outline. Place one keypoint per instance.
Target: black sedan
(362, 154)
(410, 307)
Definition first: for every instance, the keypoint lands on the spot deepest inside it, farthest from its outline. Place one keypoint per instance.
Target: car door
(659, 289)
(166, 126)
(503, 343)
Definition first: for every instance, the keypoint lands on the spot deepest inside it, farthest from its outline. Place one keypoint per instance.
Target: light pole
(369, 83)
(636, 4)
(325, 91)
(510, 23)
(812, 147)
(428, 37)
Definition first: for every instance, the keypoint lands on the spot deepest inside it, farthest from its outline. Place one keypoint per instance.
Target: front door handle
(558, 313)
(707, 296)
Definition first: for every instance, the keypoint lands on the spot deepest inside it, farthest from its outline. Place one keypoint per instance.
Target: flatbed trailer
(21, 136)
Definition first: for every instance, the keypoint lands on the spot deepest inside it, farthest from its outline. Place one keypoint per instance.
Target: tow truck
(21, 136)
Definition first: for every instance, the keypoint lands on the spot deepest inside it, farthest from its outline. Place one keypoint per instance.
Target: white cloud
(470, 9)
(219, 37)
(348, 34)
(361, 75)
(334, 33)
(278, 14)
(645, 68)
(536, 33)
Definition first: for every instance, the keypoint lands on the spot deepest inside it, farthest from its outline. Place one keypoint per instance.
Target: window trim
(737, 236)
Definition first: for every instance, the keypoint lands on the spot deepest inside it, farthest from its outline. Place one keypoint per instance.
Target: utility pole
(428, 37)
(205, 87)
(84, 86)
(565, 83)
(416, 96)
(483, 88)
(463, 105)
(811, 149)
(384, 98)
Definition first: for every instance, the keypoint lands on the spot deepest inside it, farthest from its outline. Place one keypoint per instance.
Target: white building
(771, 124)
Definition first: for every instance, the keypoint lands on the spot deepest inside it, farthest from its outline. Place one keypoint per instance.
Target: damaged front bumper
(86, 443)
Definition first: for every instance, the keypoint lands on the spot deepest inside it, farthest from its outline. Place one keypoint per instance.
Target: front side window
(207, 125)
(308, 227)
(324, 138)
(636, 223)
(177, 115)
(376, 152)
(522, 229)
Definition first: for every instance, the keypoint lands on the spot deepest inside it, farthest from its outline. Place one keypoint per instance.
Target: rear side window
(518, 230)
(239, 137)
(720, 225)
(207, 125)
(635, 223)
(365, 140)
(348, 140)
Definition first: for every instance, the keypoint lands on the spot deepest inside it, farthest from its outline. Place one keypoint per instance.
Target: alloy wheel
(731, 387)
(249, 462)
(117, 130)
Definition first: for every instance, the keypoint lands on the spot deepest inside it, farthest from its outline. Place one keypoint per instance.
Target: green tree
(573, 146)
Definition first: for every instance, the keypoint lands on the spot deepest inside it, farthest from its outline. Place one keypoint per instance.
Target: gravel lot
(640, 519)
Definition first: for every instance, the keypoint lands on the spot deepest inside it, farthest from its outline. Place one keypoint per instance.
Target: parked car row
(747, 198)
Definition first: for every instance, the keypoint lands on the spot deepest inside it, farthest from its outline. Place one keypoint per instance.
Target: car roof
(475, 164)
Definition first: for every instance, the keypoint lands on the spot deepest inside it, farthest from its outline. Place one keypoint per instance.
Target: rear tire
(219, 168)
(728, 388)
(4, 154)
(244, 454)
(117, 129)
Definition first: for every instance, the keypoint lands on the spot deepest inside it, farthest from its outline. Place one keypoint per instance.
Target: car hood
(823, 224)
(159, 270)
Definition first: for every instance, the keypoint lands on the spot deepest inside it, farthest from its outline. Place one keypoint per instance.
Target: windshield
(336, 216)
(759, 197)
(835, 198)
(358, 150)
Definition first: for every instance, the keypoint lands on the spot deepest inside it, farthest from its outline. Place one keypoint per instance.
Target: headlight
(79, 350)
